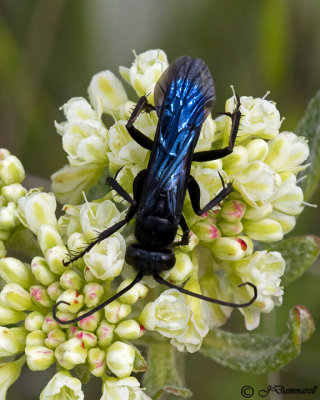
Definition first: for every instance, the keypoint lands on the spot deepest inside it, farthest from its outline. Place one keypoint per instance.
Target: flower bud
(287, 222)
(289, 197)
(259, 117)
(88, 339)
(97, 361)
(34, 321)
(139, 291)
(85, 142)
(256, 183)
(14, 296)
(246, 244)
(145, 71)
(105, 333)
(256, 213)
(62, 386)
(182, 268)
(69, 182)
(265, 230)
(74, 298)
(70, 279)
(8, 220)
(10, 316)
(48, 237)
(55, 257)
(193, 241)
(55, 338)
(106, 92)
(235, 161)
(206, 230)
(20, 333)
(54, 291)
(129, 330)
(13, 270)
(39, 358)
(65, 316)
(286, 152)
(4, 153)
(230, 228)
(77, 109)
(9, 344)
(49, 323)
(120, 358)
(116, 311)
(11, 170)
(36, 209)
(168, 314)
(76, 242)
(35, 338)
(197, 327)
(71, 353)
(40, 296)
(226, 248)
(88, 275)
(232, 210)
(13, 192)
(92, 294)
(257, 149)
(89, 323)
(9, 373)
(41, 271)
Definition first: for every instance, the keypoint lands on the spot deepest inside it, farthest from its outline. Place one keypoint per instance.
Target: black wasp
(184, 96)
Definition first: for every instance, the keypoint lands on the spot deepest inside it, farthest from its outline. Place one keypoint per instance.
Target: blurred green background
(50, 49)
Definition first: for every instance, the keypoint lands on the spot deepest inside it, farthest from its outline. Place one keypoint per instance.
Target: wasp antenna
(158, 278)
(99, 307)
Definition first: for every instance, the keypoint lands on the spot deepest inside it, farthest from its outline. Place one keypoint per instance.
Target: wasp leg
(194, 192)
(104, 235)
(119, 189)
(160, 280)
(184, 241)
(136, 135)
(216, 154)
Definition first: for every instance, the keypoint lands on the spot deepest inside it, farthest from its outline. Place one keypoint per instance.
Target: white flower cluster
(220, 256)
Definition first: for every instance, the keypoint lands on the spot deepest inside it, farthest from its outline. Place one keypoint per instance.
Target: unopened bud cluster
(266, 198)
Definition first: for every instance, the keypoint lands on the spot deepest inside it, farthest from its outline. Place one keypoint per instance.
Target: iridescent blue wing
(184, 96)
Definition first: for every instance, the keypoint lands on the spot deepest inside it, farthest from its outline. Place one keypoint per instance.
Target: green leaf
(256, 353)
(23, 242)
(83, 373)
(309, 127)
(140, 364)
(299, 253)
(163, 375)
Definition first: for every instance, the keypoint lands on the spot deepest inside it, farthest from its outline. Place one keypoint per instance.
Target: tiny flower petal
(120, 358)
(9, 373)
(63, 387)
(168, 314)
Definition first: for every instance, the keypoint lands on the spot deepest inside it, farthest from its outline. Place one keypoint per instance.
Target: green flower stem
(163, 375)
